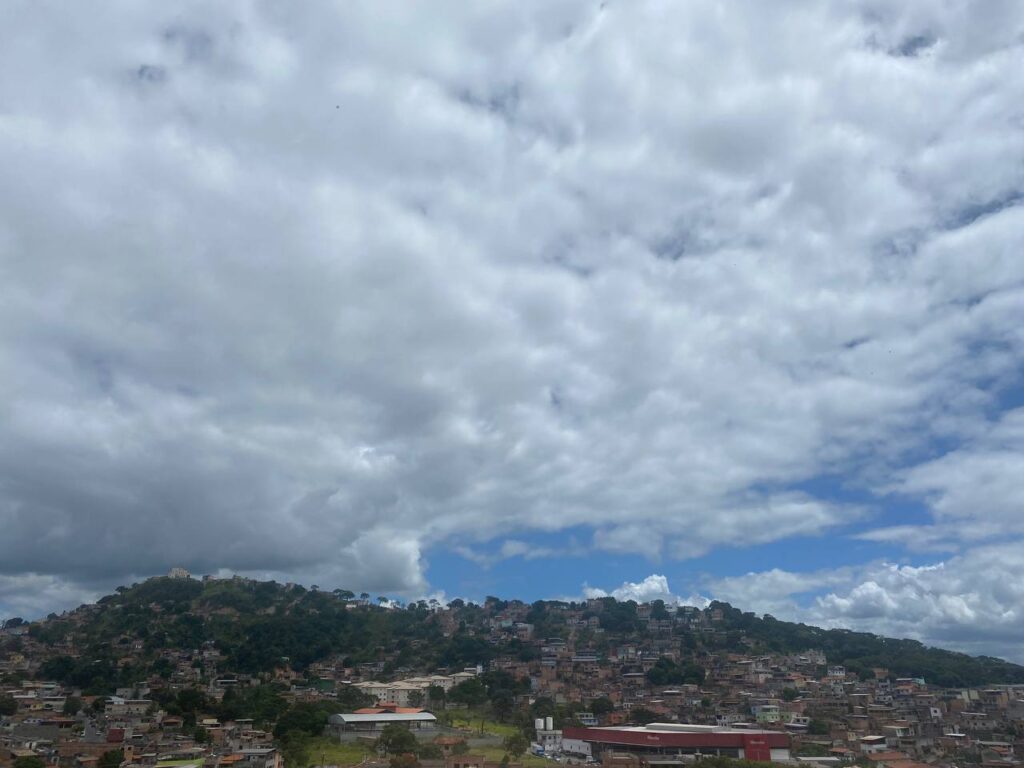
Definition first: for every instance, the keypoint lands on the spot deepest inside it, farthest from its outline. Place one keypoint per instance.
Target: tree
(8, 706)
(818, 728)
(264, 703)
(460, 748)
(29, 761)
(110, 759)
(302, 718)
(350, 698)
(516, 744)
(430, 752)
(470, 692)
(502, 702)
(72, 706)
(436, 694)
(394, 740)
(790, 694)
(602, 706)
(543, 706)
(415, 698)
(295, 749)
(642, 716)
(667, 672)
(191, 701)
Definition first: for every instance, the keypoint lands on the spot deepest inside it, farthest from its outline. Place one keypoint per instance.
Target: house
(873, 744)
(119, 707)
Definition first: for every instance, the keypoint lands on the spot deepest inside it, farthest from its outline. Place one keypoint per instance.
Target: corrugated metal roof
(384, 717)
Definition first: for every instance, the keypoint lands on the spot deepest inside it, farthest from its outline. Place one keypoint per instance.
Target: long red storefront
(753, 745)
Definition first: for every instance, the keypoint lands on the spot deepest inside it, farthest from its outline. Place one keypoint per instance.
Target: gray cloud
(314, 291)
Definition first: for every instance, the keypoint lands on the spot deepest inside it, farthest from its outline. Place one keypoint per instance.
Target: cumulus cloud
(973, 602)
(316, 294)
(654, 587)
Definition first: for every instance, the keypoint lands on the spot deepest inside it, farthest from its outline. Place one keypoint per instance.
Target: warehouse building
(667, 740)
(418, 720)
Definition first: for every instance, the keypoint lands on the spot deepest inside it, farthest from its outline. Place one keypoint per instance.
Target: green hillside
(258, 626)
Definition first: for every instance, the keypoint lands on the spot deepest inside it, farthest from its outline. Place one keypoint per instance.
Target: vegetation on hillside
(862, 652)
(260, 626)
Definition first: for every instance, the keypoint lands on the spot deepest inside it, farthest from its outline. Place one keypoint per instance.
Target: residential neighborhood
(574, 690)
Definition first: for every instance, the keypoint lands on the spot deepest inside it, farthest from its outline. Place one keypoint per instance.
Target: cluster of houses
(802, 708)
(136, 728)
(410, 691)
(792, 708)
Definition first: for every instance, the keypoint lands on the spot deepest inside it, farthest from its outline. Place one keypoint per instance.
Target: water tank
(550, 723)
(539, 723)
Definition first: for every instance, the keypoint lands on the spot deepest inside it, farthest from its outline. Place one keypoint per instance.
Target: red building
(666, 739)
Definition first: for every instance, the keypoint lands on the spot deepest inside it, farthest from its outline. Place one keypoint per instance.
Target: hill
(255, 627)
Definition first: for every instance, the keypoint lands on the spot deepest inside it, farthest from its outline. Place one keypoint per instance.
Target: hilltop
(257, 627)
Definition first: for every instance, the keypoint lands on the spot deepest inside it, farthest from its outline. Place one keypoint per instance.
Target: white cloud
(917, 538)
(976, 488)
(654, 587)
(973, 602)
(285, 296)
(511, 548)
(971, 491)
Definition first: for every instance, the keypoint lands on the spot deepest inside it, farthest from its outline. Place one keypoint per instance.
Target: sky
(702, 300)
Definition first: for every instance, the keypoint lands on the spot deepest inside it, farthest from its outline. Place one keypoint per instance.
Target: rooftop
(683, 728)
(383, 717)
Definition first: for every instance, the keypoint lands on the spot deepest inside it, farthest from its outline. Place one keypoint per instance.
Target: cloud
(975, 488)
(22, 595)
(283, 296)
(971, 491)
(917, 538)
(972, 602)
(511, 548)
(654, 587)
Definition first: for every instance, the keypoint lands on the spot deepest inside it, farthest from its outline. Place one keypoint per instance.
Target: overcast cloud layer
(323, 292)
